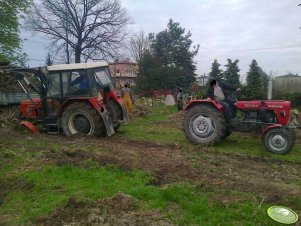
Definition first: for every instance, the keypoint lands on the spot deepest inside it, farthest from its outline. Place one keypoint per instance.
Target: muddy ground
(119, 210)
(267, 180)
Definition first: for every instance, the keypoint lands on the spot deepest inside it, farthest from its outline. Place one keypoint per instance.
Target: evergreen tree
(48, 61)
(264, 81)
(231, 73)
(149, 73)
(173, 54)
(254, 82)
(216, 73)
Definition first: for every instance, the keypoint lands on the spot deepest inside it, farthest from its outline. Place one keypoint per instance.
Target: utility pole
(270, 86)
(67, 37)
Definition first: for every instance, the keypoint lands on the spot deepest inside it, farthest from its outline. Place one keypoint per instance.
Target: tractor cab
(77, 98)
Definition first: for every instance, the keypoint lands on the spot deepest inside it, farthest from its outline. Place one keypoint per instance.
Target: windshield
(103, 77)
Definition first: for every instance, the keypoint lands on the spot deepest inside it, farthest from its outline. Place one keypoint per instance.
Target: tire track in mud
(269, 178)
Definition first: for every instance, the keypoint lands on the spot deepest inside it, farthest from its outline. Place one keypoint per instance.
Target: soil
(267, 180)
(119, 210)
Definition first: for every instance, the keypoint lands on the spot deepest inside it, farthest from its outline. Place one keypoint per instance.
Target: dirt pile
(120, 210)
(141, 110)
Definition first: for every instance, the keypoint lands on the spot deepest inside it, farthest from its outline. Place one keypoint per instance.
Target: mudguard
(197, 102)
(108, 122)
(268, 128)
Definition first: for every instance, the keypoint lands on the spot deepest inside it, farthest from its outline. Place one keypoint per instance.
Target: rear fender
(104, 115)
(108, 122)
(213, 103)
(269, 128)
(114, 95)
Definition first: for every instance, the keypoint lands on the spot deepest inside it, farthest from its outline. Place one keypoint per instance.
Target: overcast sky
(265, 30)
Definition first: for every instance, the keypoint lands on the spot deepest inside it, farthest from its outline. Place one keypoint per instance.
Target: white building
(202, 80)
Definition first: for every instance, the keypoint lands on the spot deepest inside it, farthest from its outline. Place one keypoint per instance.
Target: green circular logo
(282, 214)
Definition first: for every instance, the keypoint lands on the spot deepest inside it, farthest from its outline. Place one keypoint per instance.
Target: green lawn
(53, 186)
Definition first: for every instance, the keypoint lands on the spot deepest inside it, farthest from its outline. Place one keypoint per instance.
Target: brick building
(124, 72)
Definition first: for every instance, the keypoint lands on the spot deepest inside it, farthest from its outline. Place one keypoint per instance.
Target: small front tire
(279, 141)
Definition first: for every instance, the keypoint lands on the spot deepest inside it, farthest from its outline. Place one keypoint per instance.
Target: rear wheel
(82, 118)
(279, 141)
(115, 113)
(204, 124)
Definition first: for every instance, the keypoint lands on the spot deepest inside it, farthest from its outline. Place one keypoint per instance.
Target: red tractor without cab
(74, 98)
(204, 122)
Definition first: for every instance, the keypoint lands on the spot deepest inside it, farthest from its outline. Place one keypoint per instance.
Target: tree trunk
(77, 55)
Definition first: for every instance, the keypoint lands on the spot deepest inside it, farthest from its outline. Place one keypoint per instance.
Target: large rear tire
(82, 118)
(115, 113)
(279, 141)
(204, 124)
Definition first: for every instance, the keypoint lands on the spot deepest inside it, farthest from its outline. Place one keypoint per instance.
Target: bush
(294, 98)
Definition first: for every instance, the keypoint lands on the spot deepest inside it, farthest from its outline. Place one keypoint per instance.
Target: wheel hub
(202, 126)
(278, 142)
(82, 124)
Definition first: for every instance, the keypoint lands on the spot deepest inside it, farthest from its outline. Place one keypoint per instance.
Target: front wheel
(204, 124)
(279, 141)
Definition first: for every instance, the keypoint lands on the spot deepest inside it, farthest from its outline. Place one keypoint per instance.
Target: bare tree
(138, 44)
(93, 29)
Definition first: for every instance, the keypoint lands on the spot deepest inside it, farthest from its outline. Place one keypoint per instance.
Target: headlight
(283, 113)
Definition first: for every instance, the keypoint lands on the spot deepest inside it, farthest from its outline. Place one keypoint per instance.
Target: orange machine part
(30, 126)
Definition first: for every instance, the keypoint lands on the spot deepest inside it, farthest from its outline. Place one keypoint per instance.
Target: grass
(183, 203)
(54, 185)
(150, 128)
(153, 127)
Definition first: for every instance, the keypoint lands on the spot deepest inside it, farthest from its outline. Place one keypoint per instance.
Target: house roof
(63, 67)
(288, 76)
(123, 62)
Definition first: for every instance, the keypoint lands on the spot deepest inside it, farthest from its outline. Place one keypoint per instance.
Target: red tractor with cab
(74, 98)
(204, 122)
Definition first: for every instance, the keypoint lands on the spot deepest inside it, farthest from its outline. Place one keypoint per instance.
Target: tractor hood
(268, 104)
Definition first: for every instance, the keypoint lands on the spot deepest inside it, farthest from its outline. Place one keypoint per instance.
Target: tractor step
(52, 128)
(53, 133)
